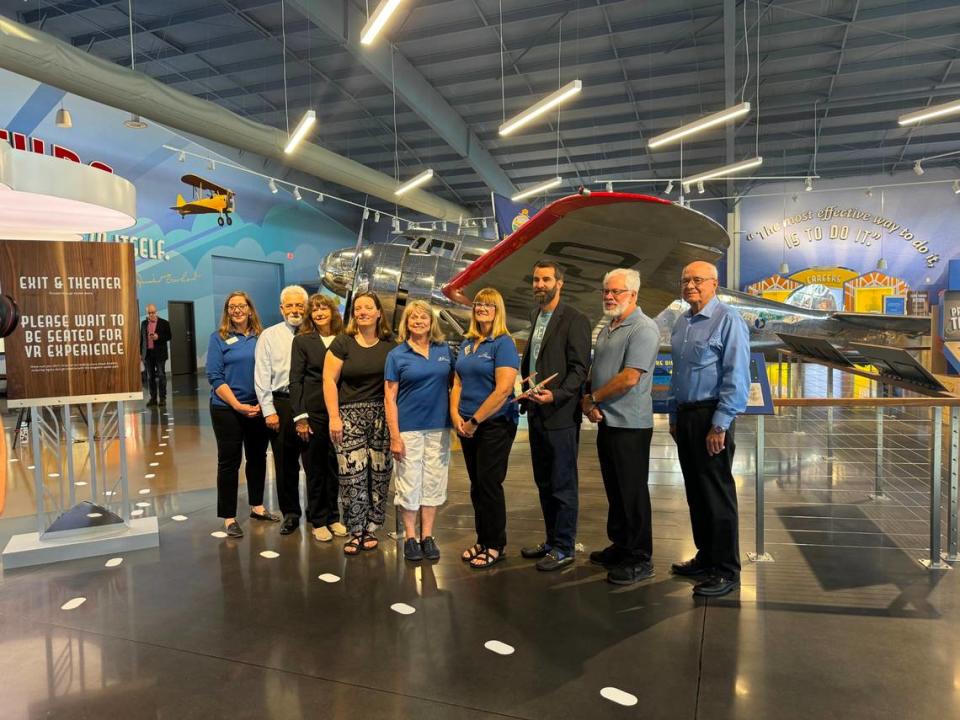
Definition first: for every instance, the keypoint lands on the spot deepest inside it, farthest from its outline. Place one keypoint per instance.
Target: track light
(319, 197)
(443, 225)
(956, 187)
(301, 130)
(63, 118)
(929, 113)
(377, 20)
(414, 182)
(376, 216)
(722, 171)
(395, 224)
(181, 156)
(272, 184)
(808, 184)
(869, 192)
(545, 105)
(669, 188)
(296, 194)
(134, 122)
(366, 213)
(537, 189)
(700, 189)
(707, 121)
(918, 168)
(211, 165)
(609, 187)
(484, 221)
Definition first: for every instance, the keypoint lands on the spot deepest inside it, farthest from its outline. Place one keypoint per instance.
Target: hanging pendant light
(63, 118)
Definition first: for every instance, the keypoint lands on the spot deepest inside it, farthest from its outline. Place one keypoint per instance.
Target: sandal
(486, 559)
(369, 542)
(352, 547)
(471, 552)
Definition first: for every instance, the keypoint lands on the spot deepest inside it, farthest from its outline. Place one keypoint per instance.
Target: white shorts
(421, 477)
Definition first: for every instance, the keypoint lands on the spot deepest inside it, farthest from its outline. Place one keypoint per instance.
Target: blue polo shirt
(230, 362)
(477, 374)
(423, 400)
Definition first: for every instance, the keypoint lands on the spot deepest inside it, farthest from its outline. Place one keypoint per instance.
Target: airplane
(218, 199)
(588, 234)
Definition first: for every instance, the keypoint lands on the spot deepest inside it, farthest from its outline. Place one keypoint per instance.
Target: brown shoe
(322, 534)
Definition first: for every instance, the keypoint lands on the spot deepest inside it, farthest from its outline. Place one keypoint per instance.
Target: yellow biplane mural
(208, 197)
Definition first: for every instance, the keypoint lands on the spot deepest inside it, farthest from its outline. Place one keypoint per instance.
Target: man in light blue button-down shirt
(708, 389)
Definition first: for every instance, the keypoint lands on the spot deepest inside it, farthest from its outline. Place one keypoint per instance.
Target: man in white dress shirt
(272, 382)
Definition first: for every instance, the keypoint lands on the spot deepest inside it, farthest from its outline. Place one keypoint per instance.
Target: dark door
(183, 345)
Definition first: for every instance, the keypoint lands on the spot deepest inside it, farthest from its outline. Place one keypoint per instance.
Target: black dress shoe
(234, 530)
(629, 573)
(152, 402)
(554, 560)
(690, 568)
(428, 546)
(609, 557)
(265, 516)
(289, 525)
(715, 586)
(537, 551)
(412, 550)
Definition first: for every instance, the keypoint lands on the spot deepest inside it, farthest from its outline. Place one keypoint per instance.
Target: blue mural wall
(175, 257)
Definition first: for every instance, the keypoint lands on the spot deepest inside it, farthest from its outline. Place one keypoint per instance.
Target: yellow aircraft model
(208, 197)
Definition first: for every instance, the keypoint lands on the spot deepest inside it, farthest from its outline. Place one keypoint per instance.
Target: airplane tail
(180, 201)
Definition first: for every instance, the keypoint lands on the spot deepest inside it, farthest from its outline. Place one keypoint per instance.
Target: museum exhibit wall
(832, 241)
(274, 240)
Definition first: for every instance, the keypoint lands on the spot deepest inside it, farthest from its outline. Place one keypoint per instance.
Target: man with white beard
(272, 382)
(618, 398)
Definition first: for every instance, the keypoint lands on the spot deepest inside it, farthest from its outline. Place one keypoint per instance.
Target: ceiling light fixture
(869, 192)
(296, 194)
(609, 187)
(414, 182)
(700, 188)
(211, 165)
(882, 264)
(135, 122)
(545, 105)
(784, 269)
(722, 171)
(929, 113)
(707, 121)
(300, 131)
(181, 156)
(319, 197)
(808, 184)
(537, 189)
(918, 168)
(376, 216)
(669, 188)
(376, 22)
(63, 118)
(272, 184)
(956, 187)
(366, 213)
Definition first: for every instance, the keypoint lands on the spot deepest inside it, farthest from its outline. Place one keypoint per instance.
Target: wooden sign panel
(79, 338)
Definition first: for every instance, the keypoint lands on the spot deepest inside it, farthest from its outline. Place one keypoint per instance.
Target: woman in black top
(320, 326)
(353, 391)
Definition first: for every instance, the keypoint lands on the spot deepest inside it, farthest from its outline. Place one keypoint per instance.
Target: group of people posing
(358, 406)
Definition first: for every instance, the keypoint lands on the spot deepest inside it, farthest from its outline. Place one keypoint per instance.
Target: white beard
(616, 312)
(294, 321)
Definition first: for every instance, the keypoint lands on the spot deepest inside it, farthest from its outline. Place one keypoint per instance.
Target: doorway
(183, 345)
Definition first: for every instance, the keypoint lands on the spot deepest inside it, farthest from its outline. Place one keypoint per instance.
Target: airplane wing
(907, 324)
(589, 235)
(199, 182)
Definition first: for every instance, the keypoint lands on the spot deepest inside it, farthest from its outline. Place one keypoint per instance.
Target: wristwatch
(473, 421)
(593, 400)
(718, 430)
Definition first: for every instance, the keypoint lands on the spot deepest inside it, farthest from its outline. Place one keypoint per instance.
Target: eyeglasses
(615, 293)
(490, 306)
(237, 308)
(697, 281)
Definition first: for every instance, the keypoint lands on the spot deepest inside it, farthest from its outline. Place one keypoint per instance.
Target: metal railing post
(953, 532)
(934, 562)
(760, 555)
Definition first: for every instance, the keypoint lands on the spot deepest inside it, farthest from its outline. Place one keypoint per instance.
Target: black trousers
(486, 455)
(554, 455)
(624, 455)
(156, 375)
(711, 491)
(287, 447)
(237, 436)
(323, 482)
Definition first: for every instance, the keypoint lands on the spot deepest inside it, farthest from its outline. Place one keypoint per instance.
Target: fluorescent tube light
(418, 180)
(376, 22)
(722, 171)
(300, 131)
(707, 121)
(537, 189)
(929, 113)
(536, 110)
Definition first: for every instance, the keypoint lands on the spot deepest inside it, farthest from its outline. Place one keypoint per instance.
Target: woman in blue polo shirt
(417, 405)
(235, 413)
(486, 420)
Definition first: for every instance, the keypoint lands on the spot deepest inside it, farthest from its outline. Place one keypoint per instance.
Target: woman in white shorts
(416, 399)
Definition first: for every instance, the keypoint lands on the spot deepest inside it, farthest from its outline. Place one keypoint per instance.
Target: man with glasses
(154, 336)
(559, 345)
(708, 389)
(272, 382)
(619, 400)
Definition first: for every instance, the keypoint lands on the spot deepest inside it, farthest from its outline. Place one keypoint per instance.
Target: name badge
(231, 340)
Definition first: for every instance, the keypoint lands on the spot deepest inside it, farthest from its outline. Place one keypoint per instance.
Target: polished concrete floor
(845, 623)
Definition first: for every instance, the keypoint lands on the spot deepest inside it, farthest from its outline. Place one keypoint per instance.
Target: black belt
(699, 405)
(281, 393)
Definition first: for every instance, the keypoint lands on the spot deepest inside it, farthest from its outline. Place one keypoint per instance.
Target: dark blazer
(160, 344)
(306, 376)
(565, 350)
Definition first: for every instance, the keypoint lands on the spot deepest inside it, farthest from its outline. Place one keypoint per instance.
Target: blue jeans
(554, 455)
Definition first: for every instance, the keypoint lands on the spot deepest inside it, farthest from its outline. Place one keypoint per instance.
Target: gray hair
(294, 290)
(631, 278)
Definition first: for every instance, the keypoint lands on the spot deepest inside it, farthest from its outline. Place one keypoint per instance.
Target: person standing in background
(154, 337)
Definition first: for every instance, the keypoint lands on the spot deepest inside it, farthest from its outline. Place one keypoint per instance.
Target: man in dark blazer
(154, 336)
(559, 343)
